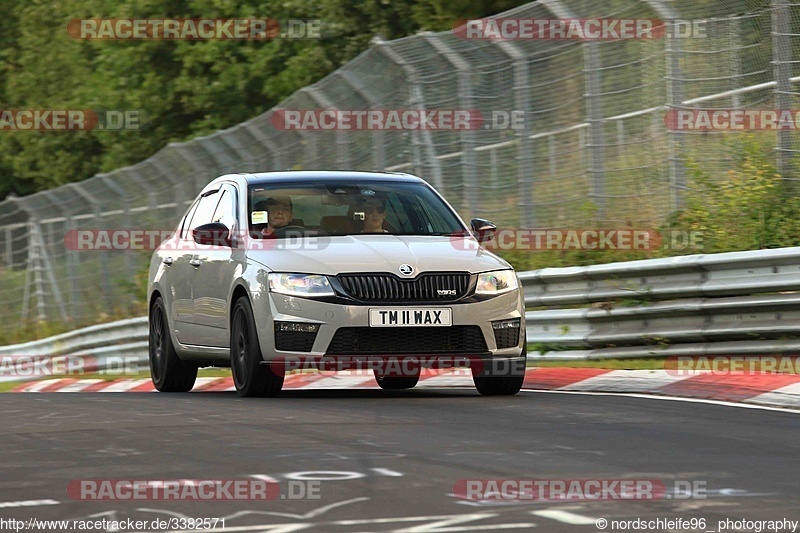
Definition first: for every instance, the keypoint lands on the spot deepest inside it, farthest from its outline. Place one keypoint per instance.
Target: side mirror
(213, 234)
(483, 229)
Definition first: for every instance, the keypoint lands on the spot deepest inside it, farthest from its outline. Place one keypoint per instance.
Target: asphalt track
(396, 456)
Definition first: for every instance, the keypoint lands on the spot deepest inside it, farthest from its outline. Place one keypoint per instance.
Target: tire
(251, 378)
(396, 383)
(508, 384)
(168, 372)
(498, 385)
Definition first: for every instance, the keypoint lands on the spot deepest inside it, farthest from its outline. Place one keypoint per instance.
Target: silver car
(273, 272)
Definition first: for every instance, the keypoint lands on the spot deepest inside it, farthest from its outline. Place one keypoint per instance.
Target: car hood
(374, 253)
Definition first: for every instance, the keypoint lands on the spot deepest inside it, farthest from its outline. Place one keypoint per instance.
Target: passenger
(374, 214)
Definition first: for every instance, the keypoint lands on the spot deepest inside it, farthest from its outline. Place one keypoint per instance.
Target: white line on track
(565, 517)
(387, 472)
(670, 398)
(28, 503)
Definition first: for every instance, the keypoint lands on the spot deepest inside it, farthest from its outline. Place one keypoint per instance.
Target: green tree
(184, 88)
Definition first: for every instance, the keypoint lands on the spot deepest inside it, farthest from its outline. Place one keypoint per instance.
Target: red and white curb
(779, 390)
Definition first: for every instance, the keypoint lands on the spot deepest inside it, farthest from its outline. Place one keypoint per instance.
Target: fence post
(782, 66)
(277, 161)
(311, 150)
(9, 249)
(735, 36)
(26, 291)
(35, 271)
(416, 101)
(342, 155)
(130, 264)
(72, 267)
(104, 263)
(677, 144)
(378, 137)
(51, 279)
(675, 98)
(136, 177)
(594, 110)
(179, 193)
(12, 198)
(67, 310)
(525, 172)
(469, 165)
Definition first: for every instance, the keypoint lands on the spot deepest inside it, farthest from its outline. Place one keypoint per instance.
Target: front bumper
(271, 307)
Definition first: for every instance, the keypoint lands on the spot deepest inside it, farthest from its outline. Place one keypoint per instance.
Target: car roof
(263, 178)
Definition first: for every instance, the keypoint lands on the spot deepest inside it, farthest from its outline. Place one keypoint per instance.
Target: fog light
(506, 324)
(302, 327)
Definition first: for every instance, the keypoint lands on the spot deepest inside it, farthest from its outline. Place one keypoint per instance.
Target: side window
(205, 210)
(225, 209)
(187, 220)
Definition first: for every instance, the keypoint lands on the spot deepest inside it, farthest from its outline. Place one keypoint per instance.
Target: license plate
(410, 317)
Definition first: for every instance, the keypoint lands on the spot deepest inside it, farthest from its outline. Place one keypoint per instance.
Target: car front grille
(431, 287)
(407, 340)
(506, 338)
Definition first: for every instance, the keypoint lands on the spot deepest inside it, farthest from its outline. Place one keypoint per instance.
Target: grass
(6, 386)
(654, 363)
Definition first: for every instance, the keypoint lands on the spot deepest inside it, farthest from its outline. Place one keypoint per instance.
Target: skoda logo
(406, 270)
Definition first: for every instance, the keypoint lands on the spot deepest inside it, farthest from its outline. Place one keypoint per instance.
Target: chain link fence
(594, 147)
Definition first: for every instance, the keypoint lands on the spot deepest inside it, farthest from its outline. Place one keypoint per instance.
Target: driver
(279, 213)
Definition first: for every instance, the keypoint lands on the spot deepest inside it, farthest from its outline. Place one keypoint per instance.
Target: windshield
(348, 208)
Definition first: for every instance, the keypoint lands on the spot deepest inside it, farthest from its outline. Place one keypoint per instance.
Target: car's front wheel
(396, 382)
(250, 377)
(498, 385)
(501, 378)
(168, 372)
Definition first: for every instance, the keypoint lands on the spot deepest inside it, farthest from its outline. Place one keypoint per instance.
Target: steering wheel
(281, 232)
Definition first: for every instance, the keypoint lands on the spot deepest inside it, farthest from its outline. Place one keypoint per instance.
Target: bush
(752, 208)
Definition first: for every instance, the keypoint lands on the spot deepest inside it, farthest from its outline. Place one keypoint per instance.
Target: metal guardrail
(737, 303)
(734, 303)
(116, 345)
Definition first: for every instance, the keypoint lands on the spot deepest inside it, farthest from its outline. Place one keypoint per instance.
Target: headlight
(306, 285)
(496, 282)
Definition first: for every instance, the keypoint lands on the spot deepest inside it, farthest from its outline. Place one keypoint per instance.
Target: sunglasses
(374, 209)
